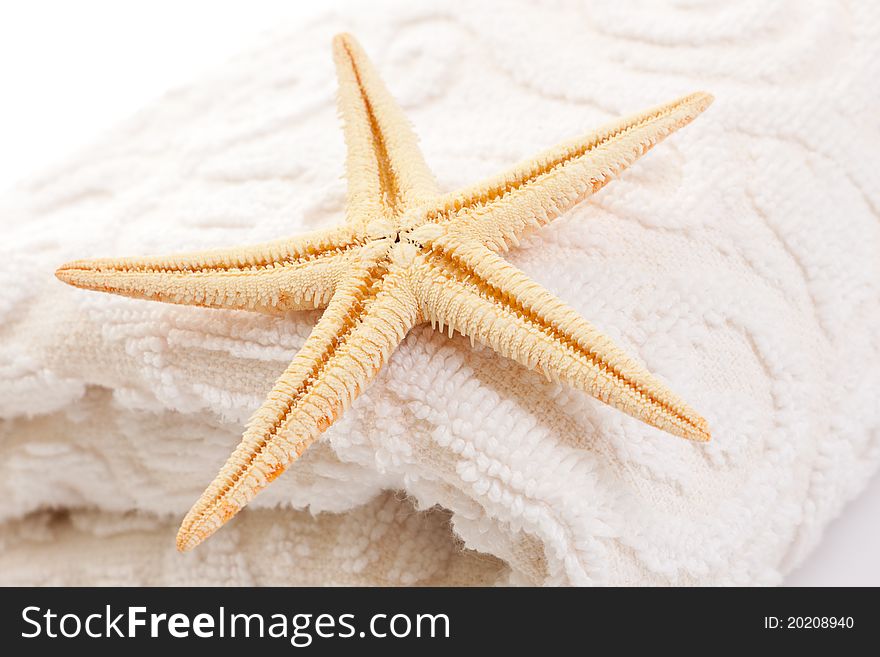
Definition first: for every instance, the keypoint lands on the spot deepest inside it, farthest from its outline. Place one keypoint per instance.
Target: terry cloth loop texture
(738, 260)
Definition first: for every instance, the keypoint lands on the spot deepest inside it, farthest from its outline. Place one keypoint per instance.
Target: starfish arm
(274, 277)
(367, 318)
(497, 211)
(385, 169)
(470, 289)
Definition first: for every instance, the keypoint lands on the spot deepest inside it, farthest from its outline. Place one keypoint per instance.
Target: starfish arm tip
(702, 100)
(67, 273)
(700, 431)
(189, 535)
(183, 543)
(343, 40)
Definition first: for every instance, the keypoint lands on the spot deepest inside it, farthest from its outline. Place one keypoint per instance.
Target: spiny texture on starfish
(406, 254)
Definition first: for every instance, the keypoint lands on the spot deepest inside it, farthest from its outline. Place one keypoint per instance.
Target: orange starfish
(407, 254)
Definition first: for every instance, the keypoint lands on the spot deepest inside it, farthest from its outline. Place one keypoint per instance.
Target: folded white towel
(738, 260)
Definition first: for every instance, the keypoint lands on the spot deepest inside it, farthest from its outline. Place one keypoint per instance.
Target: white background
(71, 70)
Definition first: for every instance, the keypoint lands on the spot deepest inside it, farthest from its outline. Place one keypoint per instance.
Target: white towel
(738, 260)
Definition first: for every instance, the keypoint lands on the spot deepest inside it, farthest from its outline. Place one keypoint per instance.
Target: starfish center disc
(380, 229)
(404, 252)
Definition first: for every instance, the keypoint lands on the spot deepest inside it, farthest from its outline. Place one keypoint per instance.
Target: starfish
(406, 254)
